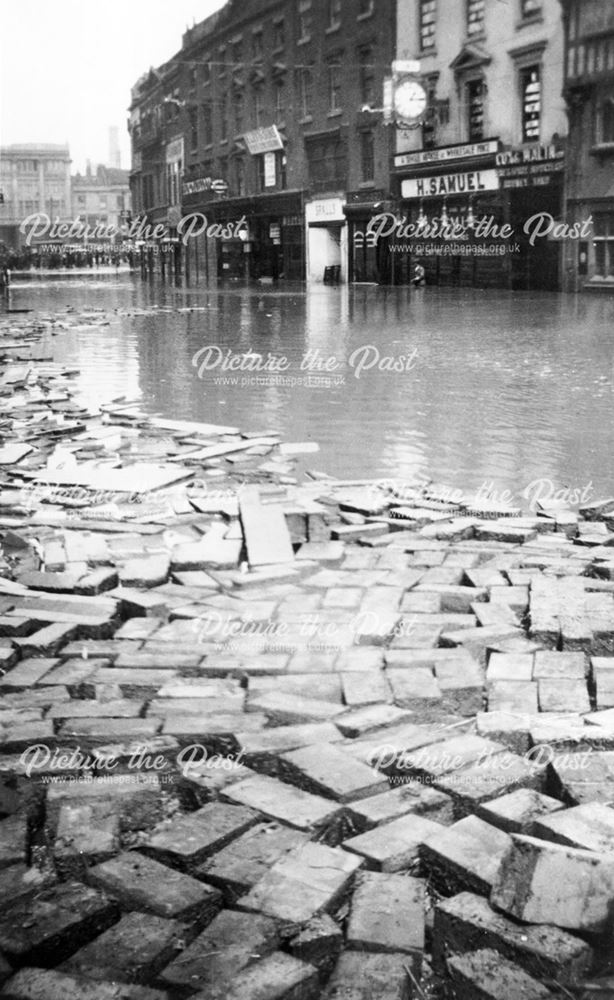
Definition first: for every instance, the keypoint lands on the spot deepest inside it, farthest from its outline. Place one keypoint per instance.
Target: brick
(283, 802)
(383, 747)
(465, 856)
(457, 600)
(33, 984)
(583, 778)
(517, 812)
(139, 882)
(213, 728)
(73, 673)
(307, 881)
(543, 883)
(49, 925)
(500, 773)
(513, 697)
(133, 950)
(485, 975)
(369, 976)
(276, 977)
(238, 866)
(84, 837)
(185, 842)
(414, 689)
(359, 721)
(387, 915)
(319, 943)
(467, 922)
(559, 666)
(46, 641)
(461, 686)
(326, 770)
(365, 687)
(395, 845)
(27, 673)
(589, 826)
(557, 695)
(509, 728)
(261, 747)
(493, 615)
(409, 798)
(137, 802)
(293, 709)
(510, 667)
(449, 755)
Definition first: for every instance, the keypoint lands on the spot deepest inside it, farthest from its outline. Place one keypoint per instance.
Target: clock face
(409, 99)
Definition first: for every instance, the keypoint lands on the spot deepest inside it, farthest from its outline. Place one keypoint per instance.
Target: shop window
(334, 86)
(305, 92)
(530, 88)
(279, 35)
(475, 110)
(475, 17)
(334, 14)
(604, 244)
(304, 20)
(367, 156)
(428, 18)
(530, 8)
(366, 64)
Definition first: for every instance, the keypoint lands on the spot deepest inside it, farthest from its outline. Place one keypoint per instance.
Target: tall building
(34, 177)
(260, 118)
(492, 140)
(589, 91)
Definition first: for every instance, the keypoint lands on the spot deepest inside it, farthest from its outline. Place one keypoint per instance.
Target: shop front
(369, 259)
(326, 229)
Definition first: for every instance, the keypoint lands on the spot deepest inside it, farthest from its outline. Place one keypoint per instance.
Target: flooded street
(494, 386)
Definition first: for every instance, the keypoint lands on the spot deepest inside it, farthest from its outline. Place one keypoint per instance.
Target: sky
(67, 66)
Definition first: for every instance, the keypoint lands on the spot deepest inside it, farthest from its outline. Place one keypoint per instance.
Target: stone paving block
(501, 773)
(319, 943)
(387, 914)
(510, 667)
(283, 802)
(383, 747)
(237, 867)
(292, 709)
(276, 977)
(466, 923)
(517, 598)
(509, 728)
(13, 840)
(369, 976)
(395, 845)
(449, 755)
(230, 943)
(137, 802)
(49, 925)
(603, 676)
(461, 686)
(559, 666)
(84, 837)
(261, 749)
(27, 673)
(412, 636)
(412, 797)
(132, 683)
(485, 975)
(365, 687)
(327, 770)
(151, 571)
(309, 880)
(50, 984)
(517, 812)
(493, 614)
(587, 779)
(134, 950)
(589, 826)
(543, 883)
(458, 600)
(322, 687)
(140, 883)
(186, 841)
(124, 708)
(74, 673)
(558, 695)
(513, 697)
(414, 689)
(479, 641)
(465, 856)
(88, 731)
(358, 721)
(46, 641)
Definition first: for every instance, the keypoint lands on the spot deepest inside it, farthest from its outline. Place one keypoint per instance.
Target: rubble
(255, 731)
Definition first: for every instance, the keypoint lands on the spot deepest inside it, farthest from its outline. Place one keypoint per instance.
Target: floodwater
(495, 387)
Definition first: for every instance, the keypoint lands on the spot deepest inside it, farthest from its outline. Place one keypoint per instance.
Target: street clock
(409, 99)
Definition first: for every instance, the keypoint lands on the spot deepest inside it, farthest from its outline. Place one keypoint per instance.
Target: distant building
(115, 156)
(589, 91)
(34, 177)
(492, 141)
(101, 198)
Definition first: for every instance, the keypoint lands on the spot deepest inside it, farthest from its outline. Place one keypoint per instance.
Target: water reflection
(505, 387)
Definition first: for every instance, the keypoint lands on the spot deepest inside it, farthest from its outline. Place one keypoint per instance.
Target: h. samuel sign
(442, 185)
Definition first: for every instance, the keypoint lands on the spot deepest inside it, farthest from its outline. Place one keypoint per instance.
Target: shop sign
(447, 153)
(201, 184)
(292, 220)
(325, 210)
(534, 153)
(270, 175)
(443, 185)
(275, 233)
(263, 140)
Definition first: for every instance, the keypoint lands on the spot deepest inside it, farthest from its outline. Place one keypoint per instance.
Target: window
(279, 35)
(529, 8)
(304, 20)
(224, 168)
(258, 105)
(193, 120)
(475, 17)
(305, 92)
(237, 54)
(428, 17)
(222, 60)
(334, 13)
(223, 119)
(429, 125)
(367, 156)
(475, 110)
(530, 88)
(604, 244)
(206, 71)
(257, 44)
(367, 76)
(327, 160)
(239, 171)
(192, 74)
(334, 87)
(207, 125)
(365, 8)
(279, 95)
(605, 121)
(238, 104)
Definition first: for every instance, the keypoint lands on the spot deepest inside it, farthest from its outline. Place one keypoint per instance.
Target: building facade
(280, 162)
(589, 91)
(490, 151)
(34, 177)
(101, 198)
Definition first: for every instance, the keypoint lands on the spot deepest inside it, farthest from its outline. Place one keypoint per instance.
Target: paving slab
(186, 841)
(283, 802)
(393, 846)
(465, 856)
(387, 914)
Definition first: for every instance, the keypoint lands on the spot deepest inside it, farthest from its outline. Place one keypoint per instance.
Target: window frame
(526, 118)
(422, 24)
